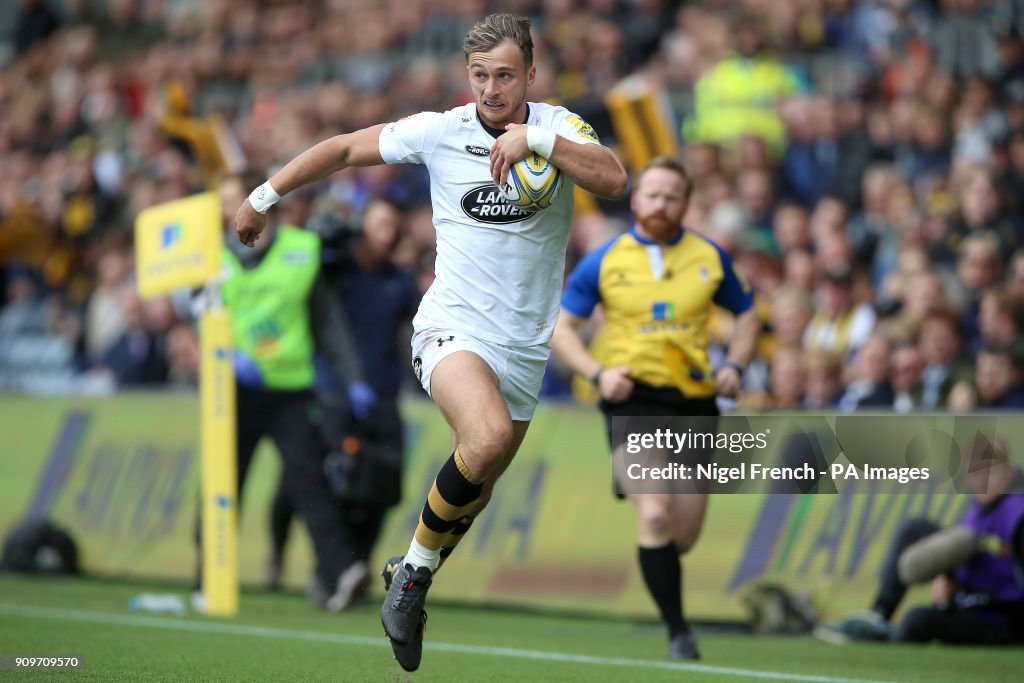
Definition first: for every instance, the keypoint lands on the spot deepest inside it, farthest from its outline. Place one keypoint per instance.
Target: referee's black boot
(683, 646)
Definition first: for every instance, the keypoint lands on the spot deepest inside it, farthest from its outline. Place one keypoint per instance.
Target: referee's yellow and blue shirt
(657, 301)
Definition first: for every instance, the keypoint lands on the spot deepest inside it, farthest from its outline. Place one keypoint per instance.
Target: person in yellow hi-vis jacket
(739, 95)
(282, 314)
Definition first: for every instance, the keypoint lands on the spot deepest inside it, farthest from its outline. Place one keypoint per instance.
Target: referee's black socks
(663, 573)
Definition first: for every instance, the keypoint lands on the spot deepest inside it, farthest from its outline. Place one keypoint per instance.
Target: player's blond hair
(493, 29)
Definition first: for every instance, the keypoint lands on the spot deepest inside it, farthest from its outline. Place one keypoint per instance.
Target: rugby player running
(482, 334)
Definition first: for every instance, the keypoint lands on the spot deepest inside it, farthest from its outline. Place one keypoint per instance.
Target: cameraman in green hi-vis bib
(282, 315)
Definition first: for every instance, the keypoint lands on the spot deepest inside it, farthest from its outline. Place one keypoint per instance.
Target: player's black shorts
(663, 402)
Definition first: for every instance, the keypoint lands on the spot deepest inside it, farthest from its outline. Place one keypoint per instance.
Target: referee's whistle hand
(249, 224)
(615, 384)
(727, 382)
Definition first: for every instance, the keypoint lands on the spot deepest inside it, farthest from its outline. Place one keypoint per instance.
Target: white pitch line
(179, 624)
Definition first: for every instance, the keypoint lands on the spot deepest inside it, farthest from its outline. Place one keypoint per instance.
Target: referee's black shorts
(656, 402)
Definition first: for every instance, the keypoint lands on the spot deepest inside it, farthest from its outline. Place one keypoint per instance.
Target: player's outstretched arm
(360, 148)
(593, 167)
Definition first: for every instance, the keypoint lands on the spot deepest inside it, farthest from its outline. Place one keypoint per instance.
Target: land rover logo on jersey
(485, 204)
(478, 151)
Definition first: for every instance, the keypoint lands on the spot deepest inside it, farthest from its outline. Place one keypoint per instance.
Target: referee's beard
(658, 226)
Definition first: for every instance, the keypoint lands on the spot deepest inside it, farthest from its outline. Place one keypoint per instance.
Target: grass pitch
(282, 638)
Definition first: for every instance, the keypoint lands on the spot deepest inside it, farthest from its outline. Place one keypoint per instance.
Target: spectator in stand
(36, 22)
(981, 210)
(978, 123)
(791, 227)
(798, 269)
(1009, 46)
(899, 147)
(978, 269)
(752, 153)
(717, 189)
(726, 225)
(824, 383)
(870, 386)
(811, 165)
(785, 385)
(739, 95)
(839, 324)
(1015, 275)
(964, 41)
(905, 367)
(703, 160)
(997, 382)
(833, 252)
(919, 293)
(789, 315)
(757, 194)
(1013, 174)
(1000, 318)
(182, 357)
(791, 312)
(900, 230)
(931, 151)
(854, 152)
(865, 228)
(829, 215)
(941, 343)
(1013, 101)
(139, 356)
(104, 313)
(22, 313)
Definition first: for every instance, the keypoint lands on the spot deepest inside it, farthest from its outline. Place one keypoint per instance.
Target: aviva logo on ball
(532, 183)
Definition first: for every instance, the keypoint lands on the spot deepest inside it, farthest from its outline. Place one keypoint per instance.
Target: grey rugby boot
(403, 604)
(390, 567)
(408, 654)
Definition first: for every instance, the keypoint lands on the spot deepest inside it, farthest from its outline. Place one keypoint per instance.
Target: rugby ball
(532, 183)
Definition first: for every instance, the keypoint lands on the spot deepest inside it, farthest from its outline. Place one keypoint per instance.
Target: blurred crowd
(863, 162)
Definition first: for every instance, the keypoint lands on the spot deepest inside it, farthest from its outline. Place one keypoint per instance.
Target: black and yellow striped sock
(453, 538)
(452, 496)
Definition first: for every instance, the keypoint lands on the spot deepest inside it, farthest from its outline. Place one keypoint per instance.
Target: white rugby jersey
(499, 270)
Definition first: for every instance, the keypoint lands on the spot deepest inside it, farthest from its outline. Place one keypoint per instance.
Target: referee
(657, 285)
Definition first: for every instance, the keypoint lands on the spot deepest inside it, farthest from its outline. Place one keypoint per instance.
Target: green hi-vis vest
(270, 310)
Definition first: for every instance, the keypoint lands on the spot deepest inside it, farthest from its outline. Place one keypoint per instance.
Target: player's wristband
(540, 140)
(735, 366)
(264, 197)
(595, 379)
